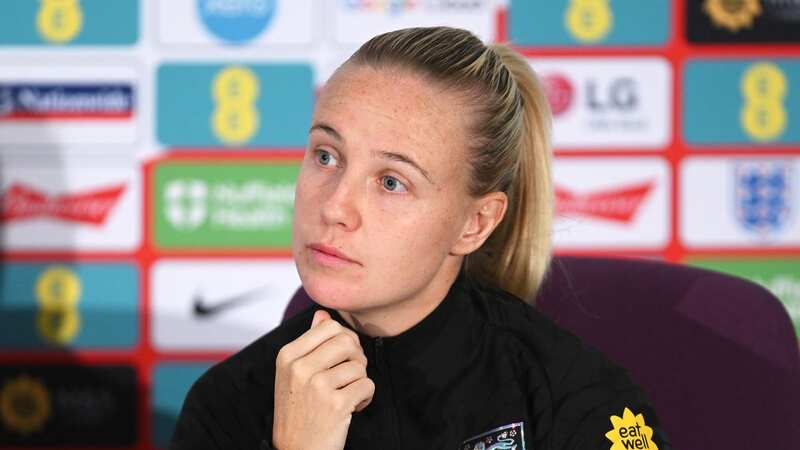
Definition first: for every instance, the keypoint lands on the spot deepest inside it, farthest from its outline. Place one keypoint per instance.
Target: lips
(330, 254)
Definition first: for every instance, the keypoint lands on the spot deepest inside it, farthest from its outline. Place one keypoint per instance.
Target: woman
(422, 218)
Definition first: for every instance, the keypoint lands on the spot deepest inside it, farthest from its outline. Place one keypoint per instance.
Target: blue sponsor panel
(66, 100)
(214, 105)
(236, 22)
(69, 22)
(741, 102)
(68, 305)
(171, 383)
(588, 22)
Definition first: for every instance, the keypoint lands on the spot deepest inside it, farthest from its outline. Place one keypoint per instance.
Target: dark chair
(717, 355)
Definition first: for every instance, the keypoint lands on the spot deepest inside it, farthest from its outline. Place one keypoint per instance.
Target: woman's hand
(320, 380)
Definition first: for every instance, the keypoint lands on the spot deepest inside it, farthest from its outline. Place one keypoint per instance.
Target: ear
(485, 213)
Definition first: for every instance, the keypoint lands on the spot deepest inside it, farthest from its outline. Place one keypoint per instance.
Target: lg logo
(621, 95)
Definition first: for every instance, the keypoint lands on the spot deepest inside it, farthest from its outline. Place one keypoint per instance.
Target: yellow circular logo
(24, 405)
(732, 14)
(58, 291)
(59, 21)
(763, 115)
(589, 20)
(235, 119)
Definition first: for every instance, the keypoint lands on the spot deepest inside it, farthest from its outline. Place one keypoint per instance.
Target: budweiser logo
(616, 205)
(21, 202)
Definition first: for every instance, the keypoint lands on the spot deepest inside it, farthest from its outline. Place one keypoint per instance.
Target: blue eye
(392, 184)
(325, 158)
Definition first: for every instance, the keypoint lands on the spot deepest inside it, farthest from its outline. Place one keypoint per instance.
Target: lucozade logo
(59, 21)
(25, 404)
(733, 15)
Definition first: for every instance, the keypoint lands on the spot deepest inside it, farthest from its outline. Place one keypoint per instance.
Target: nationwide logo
(615, 205)
(236, 21)
(397, 7)
(732, 14)
(559, 92)
(763, 195)
(62, 101)
(21, 202)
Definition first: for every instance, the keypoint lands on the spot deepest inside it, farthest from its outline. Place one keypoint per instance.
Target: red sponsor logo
(559, 92)
(615, 205)
(20, 202)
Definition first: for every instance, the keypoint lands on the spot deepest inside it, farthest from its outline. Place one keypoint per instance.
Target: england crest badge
(763, 195)
(507, 437)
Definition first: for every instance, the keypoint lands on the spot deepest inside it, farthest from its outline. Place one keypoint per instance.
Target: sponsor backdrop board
(255, 23)
(67, 104)
(70, 22)
(608, 103)
(220, 304)
(738, 101)
(149, 152)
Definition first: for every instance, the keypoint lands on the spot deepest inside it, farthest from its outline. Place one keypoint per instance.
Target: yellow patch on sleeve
(630, 432)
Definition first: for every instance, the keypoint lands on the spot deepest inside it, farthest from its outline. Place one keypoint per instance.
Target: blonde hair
(509, 136)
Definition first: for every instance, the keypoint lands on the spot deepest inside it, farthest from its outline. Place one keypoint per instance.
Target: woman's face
(383, 184)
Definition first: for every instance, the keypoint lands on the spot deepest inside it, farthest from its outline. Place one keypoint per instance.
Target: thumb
(319, 316)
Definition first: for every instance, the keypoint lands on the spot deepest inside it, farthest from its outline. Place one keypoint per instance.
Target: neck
(397, 317)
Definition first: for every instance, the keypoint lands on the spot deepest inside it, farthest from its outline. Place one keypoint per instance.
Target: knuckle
(282, 359)
(317, 381)
(339, 404)
(369, 385)
(297, 369)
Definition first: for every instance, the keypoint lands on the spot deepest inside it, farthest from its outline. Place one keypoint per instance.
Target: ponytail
(524, 236)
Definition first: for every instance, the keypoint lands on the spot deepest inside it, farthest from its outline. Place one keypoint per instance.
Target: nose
(341, 208)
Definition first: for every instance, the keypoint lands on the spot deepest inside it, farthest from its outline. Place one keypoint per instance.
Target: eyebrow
(404, 159)
(327, 129)
(392, 156)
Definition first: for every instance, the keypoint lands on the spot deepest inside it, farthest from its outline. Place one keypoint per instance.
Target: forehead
(392, 109)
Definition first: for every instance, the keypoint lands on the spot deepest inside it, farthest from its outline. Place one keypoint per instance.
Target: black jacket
(482, 371)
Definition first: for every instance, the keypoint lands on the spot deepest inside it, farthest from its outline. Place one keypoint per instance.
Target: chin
(332, 292)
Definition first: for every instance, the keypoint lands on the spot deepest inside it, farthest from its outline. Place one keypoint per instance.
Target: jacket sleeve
(597, 406)
(210, 418)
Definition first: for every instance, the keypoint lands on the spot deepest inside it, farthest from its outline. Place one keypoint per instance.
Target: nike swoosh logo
(203, 309)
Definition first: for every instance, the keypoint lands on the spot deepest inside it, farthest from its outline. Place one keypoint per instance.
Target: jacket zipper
(383, 369)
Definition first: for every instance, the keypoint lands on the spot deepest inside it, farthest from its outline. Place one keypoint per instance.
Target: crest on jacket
(507, 437)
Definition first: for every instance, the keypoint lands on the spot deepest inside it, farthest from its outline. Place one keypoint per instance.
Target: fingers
(358, 393)
(319, 316)
(332, 352)
(323, 328)
(340, 375)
